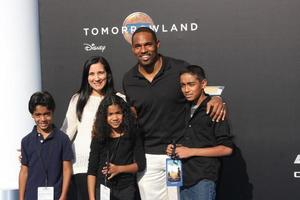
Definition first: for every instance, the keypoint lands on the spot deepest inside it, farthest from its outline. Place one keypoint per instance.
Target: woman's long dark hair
(85, 89)
(102, 129)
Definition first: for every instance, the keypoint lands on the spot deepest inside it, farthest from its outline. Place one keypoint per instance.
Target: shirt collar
(203, 103)
(51, 135)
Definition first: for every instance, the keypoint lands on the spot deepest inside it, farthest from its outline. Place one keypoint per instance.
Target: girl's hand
(112, 170)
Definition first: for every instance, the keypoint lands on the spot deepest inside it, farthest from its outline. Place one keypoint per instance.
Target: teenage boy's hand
(184, 152)
(216, 109)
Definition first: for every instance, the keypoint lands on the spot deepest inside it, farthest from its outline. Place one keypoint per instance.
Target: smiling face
(43, 118)
(145, 48)
(114, 116)
(191, 87)
(97, 78)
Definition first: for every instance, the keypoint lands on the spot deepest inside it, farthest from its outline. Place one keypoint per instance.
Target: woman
(96, 83)
(117, 151)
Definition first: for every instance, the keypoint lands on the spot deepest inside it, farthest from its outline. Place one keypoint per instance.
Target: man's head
(193, 82)
(41, 106)
(145, 46)
(145, 30)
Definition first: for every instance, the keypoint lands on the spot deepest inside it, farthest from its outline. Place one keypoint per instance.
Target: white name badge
(104, 192)
(45, 193)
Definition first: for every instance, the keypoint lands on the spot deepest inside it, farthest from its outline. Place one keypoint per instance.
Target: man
(152, 89)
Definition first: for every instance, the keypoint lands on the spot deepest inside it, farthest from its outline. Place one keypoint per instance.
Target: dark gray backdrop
(250, 47)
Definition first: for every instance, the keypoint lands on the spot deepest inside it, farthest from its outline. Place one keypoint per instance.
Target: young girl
(96, 83)
(117, 151)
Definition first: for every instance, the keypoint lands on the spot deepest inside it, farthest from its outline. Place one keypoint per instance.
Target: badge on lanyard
(174, 170)
(45, 193)
(104, 192)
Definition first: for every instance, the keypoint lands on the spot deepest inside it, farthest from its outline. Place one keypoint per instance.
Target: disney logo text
(93, 47)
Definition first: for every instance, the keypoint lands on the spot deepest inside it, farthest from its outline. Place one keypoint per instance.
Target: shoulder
(97, 142)
(74, 98)
(175, 62)
(28, 141)
(27, 137)
(129, 73)
(136, 132)
(61, 135)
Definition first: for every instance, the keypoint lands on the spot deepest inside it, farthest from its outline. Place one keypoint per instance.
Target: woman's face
(114, 116)
(97, 78)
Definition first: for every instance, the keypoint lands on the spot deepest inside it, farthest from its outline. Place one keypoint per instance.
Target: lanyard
(111, 155)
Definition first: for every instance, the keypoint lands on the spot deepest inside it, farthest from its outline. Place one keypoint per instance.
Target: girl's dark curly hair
(102, 129)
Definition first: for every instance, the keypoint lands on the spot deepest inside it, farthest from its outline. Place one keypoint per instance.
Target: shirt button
(190, 125)
(39, 135)
(41, 141)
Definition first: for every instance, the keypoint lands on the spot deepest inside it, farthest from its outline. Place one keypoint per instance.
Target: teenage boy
(203, 140)
(46, 154)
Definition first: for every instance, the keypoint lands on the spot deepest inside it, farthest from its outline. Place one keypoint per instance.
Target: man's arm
(67, 173)
(186, 152)
(22, 181)
(91, 183)
(216, 109)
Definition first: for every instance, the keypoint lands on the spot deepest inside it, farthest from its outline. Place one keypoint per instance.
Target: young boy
(46, 154)
(203, 140)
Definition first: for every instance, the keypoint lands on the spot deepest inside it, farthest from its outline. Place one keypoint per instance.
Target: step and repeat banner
(251, 48)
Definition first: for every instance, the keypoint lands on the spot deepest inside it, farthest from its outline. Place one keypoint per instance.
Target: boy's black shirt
(201, 132)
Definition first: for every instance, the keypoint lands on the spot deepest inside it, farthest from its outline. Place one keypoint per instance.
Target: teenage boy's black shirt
(159, 104)
(201, 132)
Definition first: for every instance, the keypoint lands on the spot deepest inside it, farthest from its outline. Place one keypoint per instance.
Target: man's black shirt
(159, 104)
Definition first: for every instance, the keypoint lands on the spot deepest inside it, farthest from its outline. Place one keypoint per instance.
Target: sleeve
(139, 151)
(67, 149)
(222, 134)
(94, 157)
(70, 123)
(24, 159)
